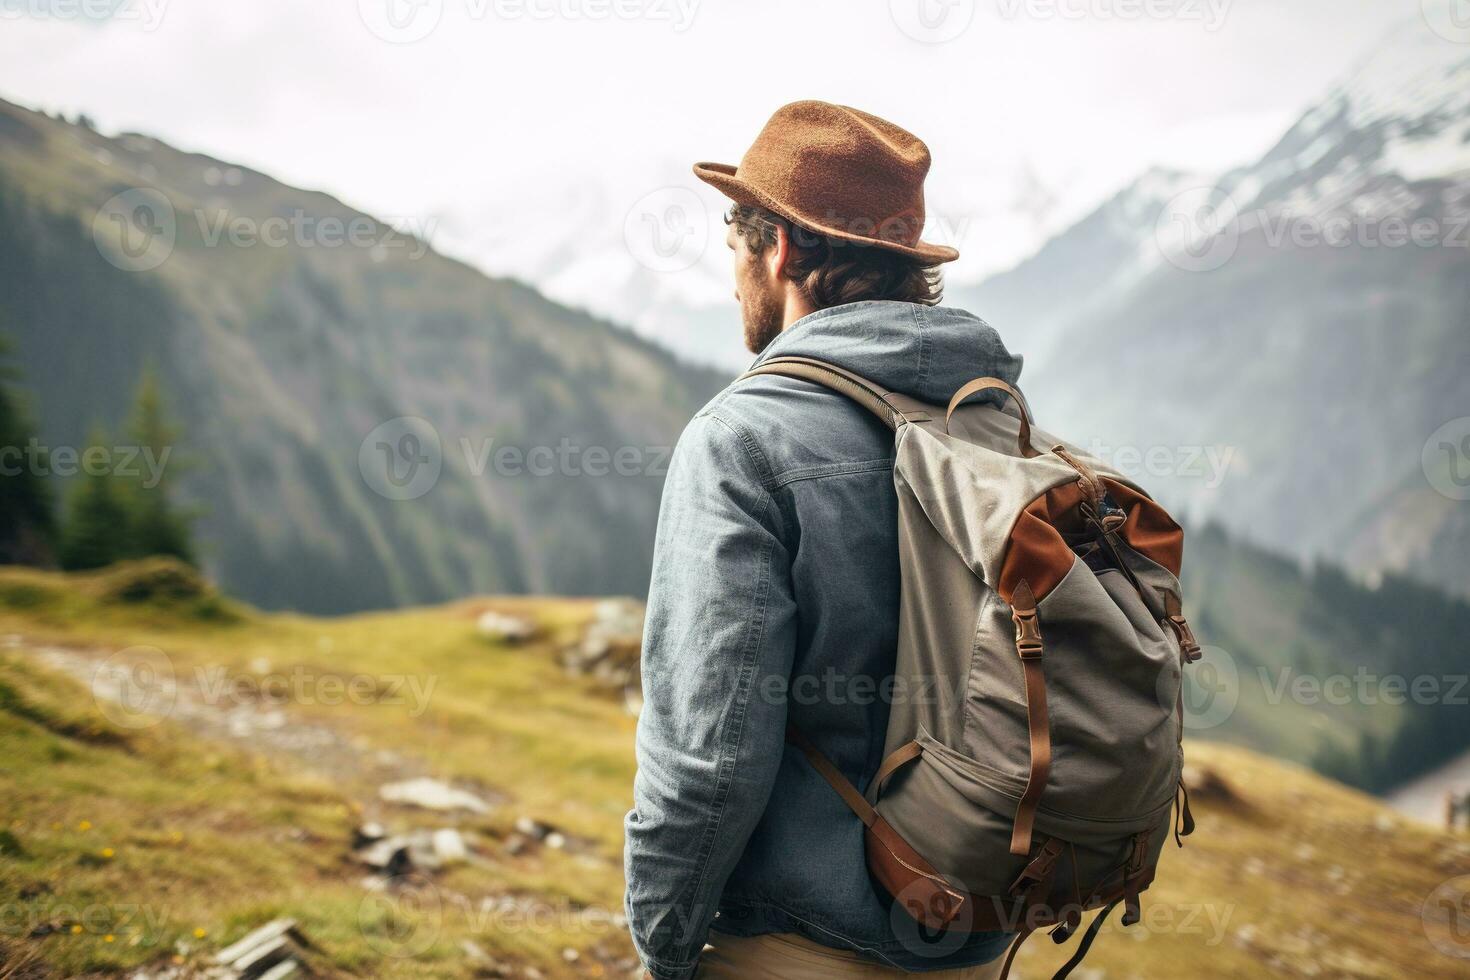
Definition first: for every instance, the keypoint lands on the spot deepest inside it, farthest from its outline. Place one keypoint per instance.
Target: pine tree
(27, 517)
(97, 530)
(158, 526)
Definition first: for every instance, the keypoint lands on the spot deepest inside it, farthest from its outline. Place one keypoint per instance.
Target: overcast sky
(505, 105)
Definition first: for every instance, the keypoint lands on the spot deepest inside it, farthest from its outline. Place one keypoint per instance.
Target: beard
(760, 315)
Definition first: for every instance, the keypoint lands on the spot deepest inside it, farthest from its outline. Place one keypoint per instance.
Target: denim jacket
(775, 598)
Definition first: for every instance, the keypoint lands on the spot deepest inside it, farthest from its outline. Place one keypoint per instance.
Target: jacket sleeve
(720, 627)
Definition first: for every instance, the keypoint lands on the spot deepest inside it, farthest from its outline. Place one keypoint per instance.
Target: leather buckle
(1038, 869)
(1187, 643)
(1028, 635)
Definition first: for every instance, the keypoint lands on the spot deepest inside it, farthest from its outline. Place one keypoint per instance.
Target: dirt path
(135, 696)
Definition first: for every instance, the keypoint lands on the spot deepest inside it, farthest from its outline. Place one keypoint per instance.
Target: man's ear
(775, 257)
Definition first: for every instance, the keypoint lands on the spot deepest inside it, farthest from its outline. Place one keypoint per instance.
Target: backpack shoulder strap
(891, 407)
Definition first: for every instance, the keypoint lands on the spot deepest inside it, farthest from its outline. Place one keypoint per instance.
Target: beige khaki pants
(787, 956)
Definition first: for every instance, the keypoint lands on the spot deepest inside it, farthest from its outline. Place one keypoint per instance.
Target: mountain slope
(1307, 316)
(287, 328)
(1363, 684)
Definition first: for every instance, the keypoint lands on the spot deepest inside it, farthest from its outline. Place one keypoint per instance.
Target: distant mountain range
(1275, 346)
(290, 331)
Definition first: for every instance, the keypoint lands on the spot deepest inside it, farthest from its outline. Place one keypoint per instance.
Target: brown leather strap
(899, 757)
(833, 776)
(1029, 648)
(1188, 645)
(1092, 487)
(866, 393)
(971, 388)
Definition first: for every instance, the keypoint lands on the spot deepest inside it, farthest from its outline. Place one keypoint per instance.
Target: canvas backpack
(1040, 610)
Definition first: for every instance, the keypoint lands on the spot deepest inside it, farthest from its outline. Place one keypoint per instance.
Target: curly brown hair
(832, 271)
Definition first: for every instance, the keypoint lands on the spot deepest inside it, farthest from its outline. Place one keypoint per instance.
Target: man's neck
(797, 306)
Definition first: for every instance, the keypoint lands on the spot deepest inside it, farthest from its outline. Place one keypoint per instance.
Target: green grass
(206, 834)
(1288, 875)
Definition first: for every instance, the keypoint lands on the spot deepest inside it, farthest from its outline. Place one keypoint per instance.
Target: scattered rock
(507, 629)
(448, 846)
(271, 952)
(367, 834)
(534, 829)
(389, 855)
(609, 649)
(432, 794)
(422, 850)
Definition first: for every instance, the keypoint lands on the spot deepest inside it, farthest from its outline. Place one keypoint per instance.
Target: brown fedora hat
(838, 171)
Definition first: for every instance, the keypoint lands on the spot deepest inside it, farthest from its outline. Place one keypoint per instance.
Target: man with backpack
(826, 787)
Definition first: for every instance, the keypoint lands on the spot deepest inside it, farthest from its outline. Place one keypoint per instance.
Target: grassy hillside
(286, 327)
(174, 832)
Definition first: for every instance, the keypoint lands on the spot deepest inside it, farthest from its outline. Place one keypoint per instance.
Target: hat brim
(721, 176)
